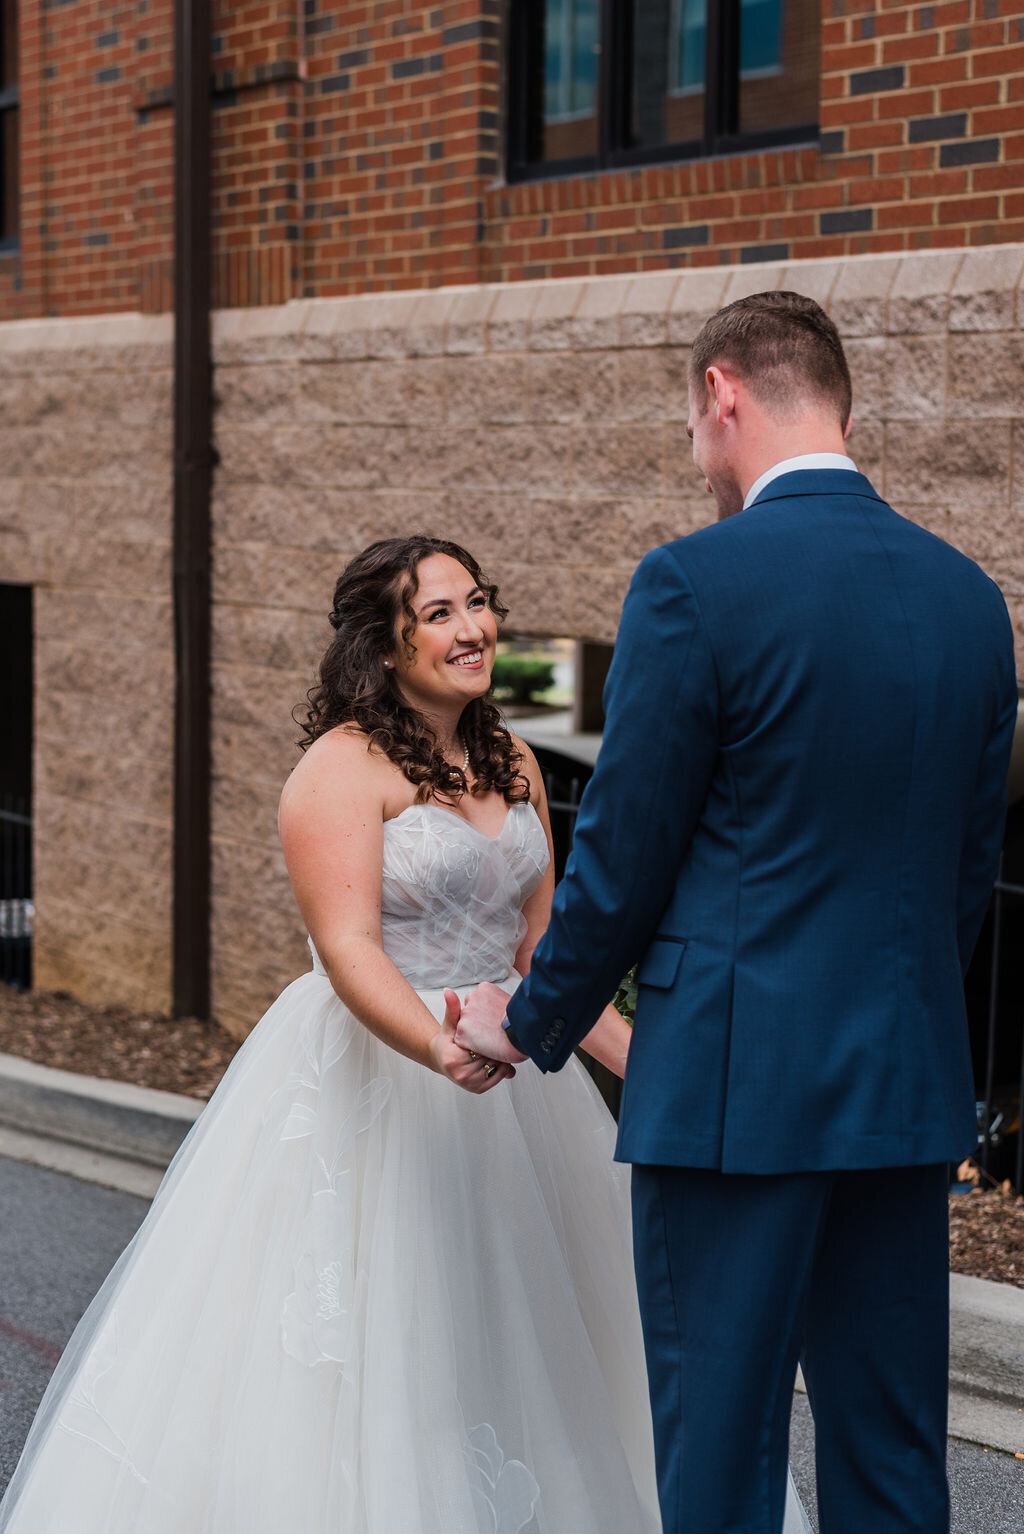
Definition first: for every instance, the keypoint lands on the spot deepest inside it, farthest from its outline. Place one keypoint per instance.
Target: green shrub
(519, 678)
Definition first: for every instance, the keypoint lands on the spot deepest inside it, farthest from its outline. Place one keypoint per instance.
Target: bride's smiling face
(454, 639)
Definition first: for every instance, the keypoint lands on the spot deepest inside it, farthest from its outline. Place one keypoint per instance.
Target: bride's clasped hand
(480, 1026)
(456, 1057)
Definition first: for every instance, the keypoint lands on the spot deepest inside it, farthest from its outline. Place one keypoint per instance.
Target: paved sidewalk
(986, 1373)
(121, 1136)
(107, 1132)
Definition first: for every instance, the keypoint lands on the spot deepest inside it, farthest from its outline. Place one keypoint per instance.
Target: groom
(793, 829)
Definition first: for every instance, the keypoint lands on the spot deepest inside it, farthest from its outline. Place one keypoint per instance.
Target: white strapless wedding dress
(364, 1301)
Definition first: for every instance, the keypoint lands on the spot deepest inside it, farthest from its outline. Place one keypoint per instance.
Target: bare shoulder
(525, 750)
(530, 768)
(340, 766)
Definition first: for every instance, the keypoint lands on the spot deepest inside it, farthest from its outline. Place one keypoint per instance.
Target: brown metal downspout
(193, 466)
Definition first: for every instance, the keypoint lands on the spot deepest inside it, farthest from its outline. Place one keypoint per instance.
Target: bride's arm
(331, 827)
(608, 1040)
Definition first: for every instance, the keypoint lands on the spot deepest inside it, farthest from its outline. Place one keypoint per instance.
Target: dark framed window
(9, 190)
(597, 83)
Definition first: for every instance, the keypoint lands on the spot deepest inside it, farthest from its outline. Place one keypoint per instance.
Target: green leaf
(625, 997)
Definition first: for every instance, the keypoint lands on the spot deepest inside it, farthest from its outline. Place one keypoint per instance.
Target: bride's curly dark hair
(354, 686)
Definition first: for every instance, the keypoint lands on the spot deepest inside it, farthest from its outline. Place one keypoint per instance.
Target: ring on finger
(490, 1069)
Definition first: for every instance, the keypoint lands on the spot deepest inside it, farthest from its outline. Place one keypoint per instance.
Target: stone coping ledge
(85, 332)
(915, 293)
(112, 1117)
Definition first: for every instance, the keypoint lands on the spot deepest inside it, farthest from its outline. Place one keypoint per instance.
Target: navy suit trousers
(741, 1277)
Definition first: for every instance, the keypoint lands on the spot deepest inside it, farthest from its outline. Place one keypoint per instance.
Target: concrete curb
(111, 1117)
(986, 1365)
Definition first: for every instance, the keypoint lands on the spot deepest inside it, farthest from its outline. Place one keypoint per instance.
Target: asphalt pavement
(986, 1486)
(61, 1235)
(60, 1239)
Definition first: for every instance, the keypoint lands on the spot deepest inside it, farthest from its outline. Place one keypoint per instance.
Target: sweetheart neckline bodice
(524, 804)
(452, 905)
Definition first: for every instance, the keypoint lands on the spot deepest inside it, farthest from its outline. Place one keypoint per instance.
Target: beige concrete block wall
(85, 518)
(543, 426)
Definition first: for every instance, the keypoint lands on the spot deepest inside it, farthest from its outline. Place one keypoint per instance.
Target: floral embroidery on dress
(294, 1106)
(504, 1491)
(319, 1319)
(83, 1416)
(370, 1104)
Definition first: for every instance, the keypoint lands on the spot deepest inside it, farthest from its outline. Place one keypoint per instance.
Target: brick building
(365, 147)
(459, 254)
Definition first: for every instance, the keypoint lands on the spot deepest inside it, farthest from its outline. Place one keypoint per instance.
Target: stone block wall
(541, 424)
(85, 518)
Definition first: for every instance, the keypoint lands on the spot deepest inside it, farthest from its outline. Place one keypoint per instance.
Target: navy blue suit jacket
(794, 825)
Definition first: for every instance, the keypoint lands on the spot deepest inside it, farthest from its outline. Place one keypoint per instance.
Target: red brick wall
(402, 122)
(357, 145)
(922, 146)
(21, 274)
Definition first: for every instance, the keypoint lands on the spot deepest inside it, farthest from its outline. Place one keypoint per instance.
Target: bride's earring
(387, 665)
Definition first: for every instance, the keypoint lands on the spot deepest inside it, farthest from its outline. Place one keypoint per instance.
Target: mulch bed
(175, 1055)
(986, 1231)
(184, 1055)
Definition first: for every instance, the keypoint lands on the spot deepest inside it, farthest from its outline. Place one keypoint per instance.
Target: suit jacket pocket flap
(660, 964)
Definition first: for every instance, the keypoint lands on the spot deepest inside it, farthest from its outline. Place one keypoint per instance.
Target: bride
(364, 1300)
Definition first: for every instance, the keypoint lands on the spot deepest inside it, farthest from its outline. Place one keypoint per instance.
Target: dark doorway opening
(16, 674)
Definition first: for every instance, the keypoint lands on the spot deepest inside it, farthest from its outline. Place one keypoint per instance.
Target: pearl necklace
(464, 764)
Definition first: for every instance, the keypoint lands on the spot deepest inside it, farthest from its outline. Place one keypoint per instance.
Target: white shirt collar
(803, 461)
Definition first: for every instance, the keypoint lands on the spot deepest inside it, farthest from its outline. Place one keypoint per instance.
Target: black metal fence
(999, 1049)
(564, 785)
(16, 908)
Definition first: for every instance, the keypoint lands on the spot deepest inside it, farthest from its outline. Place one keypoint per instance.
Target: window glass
(760, 36)
(689, 19)
(8, 43)
(570, 57)
(8, 175)
(649, 98)
(667, 94)
(779, 63)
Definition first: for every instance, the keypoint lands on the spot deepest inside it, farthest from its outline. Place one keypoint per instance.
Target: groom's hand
(468, 1068)
(479, 1027)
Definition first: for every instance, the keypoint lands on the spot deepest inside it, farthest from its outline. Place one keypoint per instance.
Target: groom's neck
(763, 441)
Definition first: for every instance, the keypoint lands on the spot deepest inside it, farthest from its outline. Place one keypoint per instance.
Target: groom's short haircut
(783, 346)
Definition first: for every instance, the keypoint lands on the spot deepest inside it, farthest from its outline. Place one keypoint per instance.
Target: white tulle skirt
(363, 1302)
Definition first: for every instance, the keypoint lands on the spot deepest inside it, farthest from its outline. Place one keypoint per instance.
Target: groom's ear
(722, 393)
(848, 427)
